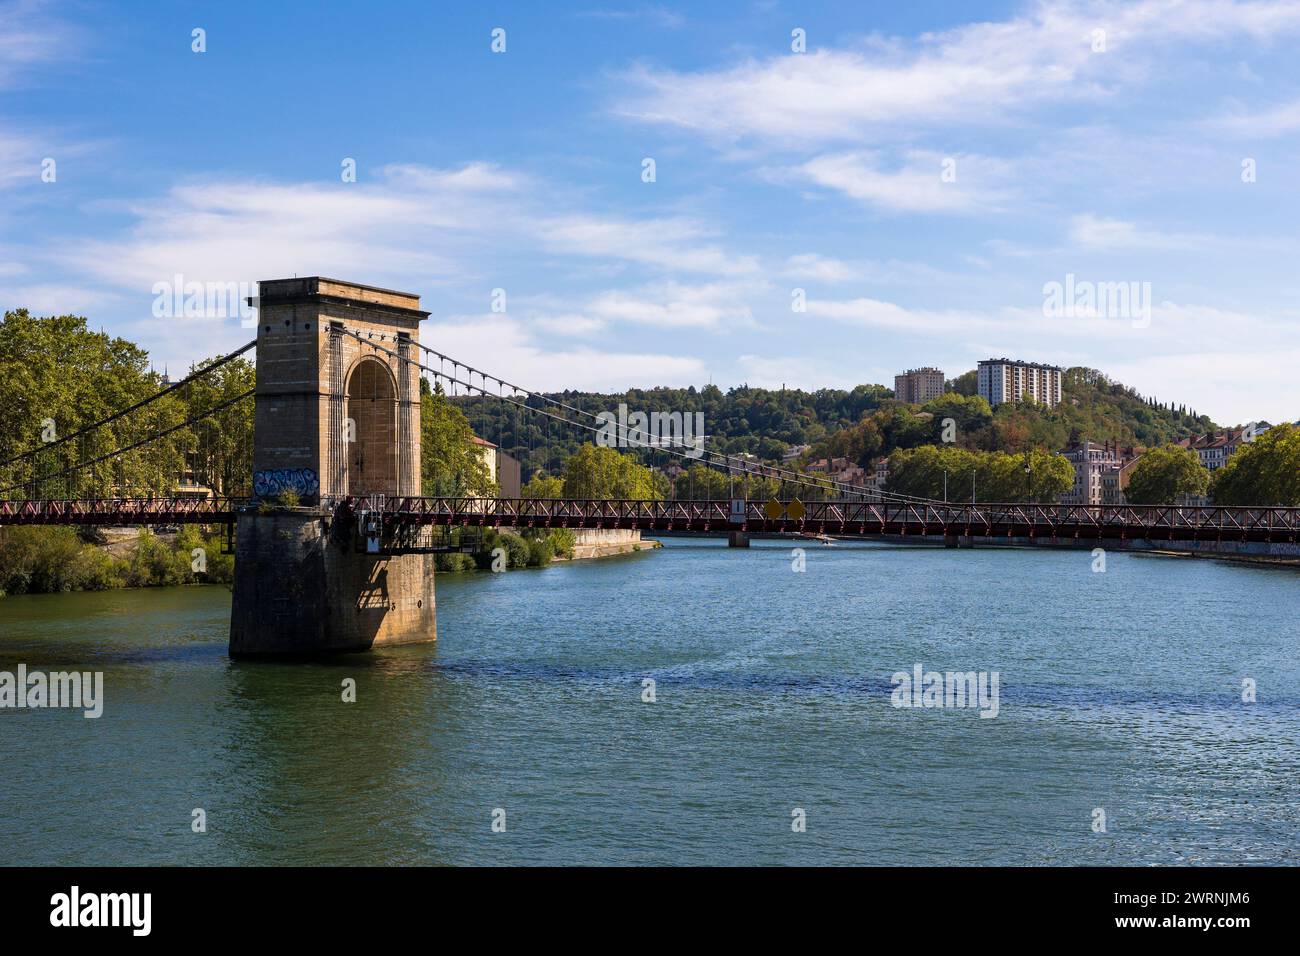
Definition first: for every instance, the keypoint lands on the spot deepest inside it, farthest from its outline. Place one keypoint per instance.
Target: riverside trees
(1163, 475)
(1036, 475)
(1265, 471)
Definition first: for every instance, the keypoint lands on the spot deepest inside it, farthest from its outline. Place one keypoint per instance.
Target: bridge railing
(120, 511)
(982, 517)
(844, 516)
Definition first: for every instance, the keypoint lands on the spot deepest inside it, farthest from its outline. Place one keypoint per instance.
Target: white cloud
(810, 265)
(661, 16)
(400, 224)
(30, 37)
(1263, 124)
(916, 186)
(970, 75)
(1096, 232)
(569, 324)
(676, 305)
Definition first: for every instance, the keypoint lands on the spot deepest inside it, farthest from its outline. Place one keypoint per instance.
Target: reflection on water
(1119, 690)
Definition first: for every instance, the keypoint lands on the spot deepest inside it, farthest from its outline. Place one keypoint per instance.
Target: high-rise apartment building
(918, 385)
(1003, 380)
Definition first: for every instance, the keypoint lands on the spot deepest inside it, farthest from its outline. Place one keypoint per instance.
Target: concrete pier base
(737, 539)
(299, 591)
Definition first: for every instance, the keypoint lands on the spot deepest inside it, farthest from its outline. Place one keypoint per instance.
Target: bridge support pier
(738, 539)
(300, 590)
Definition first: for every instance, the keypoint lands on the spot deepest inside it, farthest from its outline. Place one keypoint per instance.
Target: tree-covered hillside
(763, 422)
(862, 424)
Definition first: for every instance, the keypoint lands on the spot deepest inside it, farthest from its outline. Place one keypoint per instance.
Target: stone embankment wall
(604, 542)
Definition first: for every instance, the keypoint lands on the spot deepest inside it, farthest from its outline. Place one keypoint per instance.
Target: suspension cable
(744, 466)
(134, 445)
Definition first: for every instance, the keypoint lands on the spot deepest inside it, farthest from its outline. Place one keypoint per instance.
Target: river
(1119, 692)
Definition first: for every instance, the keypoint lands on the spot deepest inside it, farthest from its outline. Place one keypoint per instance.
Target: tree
(56, 377)
(1265, 471)
(702, 483)
(221, 452)
(450, 462)
(542, 486)
(996, 476)
(1163, 474)
(967, 383)
(968, 412)
(593, 472)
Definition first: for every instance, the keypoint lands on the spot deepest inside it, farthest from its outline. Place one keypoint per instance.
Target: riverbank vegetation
(38, 560)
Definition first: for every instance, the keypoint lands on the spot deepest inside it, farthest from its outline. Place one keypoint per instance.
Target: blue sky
(921, 171)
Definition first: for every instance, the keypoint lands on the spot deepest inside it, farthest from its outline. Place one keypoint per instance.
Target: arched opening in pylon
(371, 429)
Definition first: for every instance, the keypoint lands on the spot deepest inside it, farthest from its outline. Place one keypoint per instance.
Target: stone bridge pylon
(334, 418)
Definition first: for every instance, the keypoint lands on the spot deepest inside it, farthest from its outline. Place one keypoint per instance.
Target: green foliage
(56, 369)
(455, 562)
(970, 413)
(593, 472)
(221, 454)
(765, 422)
(543, 486)
(515, 547)
(540, 552)
(760, 421)
(1265, 471)
(997, 476)
(702, 483)
(563, 541)
(1092, 408)
(37, 560)
(967, 383)
(450, 462)
(1164, 474)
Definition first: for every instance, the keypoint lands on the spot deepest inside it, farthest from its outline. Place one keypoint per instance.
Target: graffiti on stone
(275, 482)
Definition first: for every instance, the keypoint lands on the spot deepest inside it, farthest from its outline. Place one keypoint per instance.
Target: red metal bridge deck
(840, 518)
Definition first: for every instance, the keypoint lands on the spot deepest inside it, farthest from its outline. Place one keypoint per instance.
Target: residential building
(1101, 472)
(880, 476)
(1005, 380)
(828, 466)
(502, 468)
(918, 385)
(1215, 450)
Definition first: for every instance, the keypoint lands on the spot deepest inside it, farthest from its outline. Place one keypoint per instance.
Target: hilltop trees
(1162, 475)
(1265, 471)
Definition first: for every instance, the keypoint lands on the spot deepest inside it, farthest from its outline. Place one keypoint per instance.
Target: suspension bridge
(337, 430)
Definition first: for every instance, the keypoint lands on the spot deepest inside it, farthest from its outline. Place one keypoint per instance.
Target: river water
(1119, 692)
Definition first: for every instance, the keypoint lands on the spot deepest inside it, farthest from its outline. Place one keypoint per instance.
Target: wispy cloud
(975, 74)
(1277, 120)
(660, 16)
(923, 182)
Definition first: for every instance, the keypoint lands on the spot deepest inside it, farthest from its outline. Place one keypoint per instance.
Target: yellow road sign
(795, 510)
